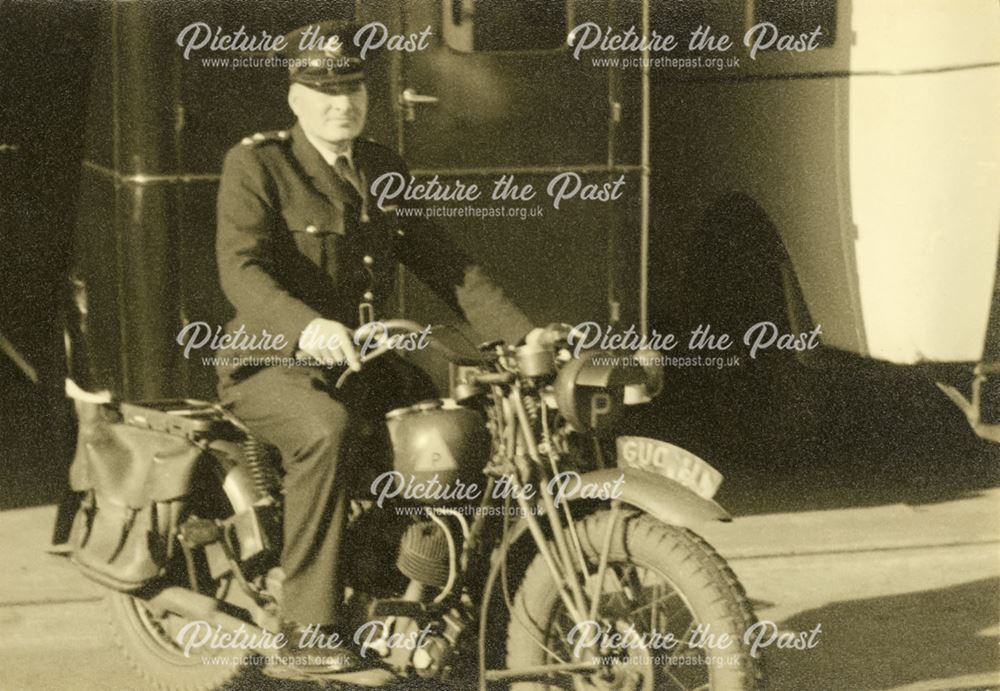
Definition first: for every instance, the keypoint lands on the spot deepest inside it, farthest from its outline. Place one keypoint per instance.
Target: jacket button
(311, 229)
(368, 260)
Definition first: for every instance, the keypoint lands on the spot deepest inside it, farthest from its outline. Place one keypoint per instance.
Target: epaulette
(261, 137)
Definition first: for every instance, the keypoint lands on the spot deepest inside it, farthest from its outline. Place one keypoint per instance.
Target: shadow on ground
(896, 630)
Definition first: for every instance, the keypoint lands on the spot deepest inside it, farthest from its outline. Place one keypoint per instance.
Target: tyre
(149, 645)
(661, 580)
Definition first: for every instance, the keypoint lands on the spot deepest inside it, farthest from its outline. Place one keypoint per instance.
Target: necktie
(346, 172)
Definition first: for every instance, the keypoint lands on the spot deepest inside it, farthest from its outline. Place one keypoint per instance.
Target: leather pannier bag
(134, 481)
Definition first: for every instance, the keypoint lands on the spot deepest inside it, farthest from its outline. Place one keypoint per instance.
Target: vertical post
(644, 180)
(396, 77)
(614, 112)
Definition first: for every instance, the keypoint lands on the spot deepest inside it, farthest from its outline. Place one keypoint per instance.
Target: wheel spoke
(609, 596)
(631, 585)
(663, 598)
(561, 624)
(653, 609)
(687, 632)
(674, 679)
(640, 597)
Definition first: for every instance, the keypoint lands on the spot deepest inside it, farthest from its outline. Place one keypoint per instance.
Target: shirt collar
(328, 155)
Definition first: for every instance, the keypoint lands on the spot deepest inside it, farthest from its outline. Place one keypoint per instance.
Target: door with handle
(497, 86)
(498, 92)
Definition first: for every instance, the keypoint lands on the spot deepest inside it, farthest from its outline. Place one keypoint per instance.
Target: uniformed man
(303, 249)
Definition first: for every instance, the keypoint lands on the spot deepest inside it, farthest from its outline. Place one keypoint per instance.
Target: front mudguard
(664, 499)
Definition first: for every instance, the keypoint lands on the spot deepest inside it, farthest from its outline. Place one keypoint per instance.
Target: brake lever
(314, 362)
(381, 350)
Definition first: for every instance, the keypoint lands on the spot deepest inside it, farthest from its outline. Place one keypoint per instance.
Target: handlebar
(408, 326)
(551, 337)
(403, 325)
(362, 333)
(379, 334)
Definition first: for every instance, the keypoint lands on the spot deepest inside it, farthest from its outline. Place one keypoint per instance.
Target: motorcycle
(515, 542)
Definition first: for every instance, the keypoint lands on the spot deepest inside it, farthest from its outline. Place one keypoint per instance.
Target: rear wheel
(149, 641)
(661, 580)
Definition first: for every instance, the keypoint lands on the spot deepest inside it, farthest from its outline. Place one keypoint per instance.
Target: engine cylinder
(423, 554)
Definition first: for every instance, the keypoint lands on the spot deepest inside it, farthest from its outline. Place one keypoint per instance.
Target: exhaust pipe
(198, 607)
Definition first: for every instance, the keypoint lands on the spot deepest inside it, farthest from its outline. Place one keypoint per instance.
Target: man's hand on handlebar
(329, 342)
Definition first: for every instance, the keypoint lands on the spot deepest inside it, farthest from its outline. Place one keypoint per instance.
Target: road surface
(906, 597)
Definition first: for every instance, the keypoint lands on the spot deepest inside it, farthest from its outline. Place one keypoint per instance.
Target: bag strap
(126, 529)
(88, 505)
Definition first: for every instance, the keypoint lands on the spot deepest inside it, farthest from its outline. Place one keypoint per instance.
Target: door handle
(410, 98)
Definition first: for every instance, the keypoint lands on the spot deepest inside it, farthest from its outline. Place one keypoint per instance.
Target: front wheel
(663, 590)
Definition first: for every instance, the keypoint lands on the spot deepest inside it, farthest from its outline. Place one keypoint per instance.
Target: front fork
(567, 562)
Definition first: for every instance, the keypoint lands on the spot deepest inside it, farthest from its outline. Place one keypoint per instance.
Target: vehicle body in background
(850, 187)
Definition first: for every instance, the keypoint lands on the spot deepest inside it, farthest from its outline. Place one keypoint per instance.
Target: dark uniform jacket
(293, 238)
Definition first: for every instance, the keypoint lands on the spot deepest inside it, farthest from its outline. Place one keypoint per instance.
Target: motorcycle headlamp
(590, 389)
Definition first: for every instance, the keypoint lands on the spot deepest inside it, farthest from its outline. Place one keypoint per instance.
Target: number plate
(655, 456)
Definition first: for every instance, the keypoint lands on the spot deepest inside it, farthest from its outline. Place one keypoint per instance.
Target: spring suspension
(536, 414)
(259, 459)
(531, 408)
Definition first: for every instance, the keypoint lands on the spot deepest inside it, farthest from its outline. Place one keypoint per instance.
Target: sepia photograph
(500, 345)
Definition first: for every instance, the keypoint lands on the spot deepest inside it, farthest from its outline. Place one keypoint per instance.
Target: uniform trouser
(314, 426)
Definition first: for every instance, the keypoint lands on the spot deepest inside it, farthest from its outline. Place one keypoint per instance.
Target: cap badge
(333, 48)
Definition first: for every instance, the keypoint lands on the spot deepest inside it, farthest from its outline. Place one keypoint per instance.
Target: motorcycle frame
(641, 493)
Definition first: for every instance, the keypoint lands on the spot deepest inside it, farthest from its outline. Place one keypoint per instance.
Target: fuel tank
(433, 442)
